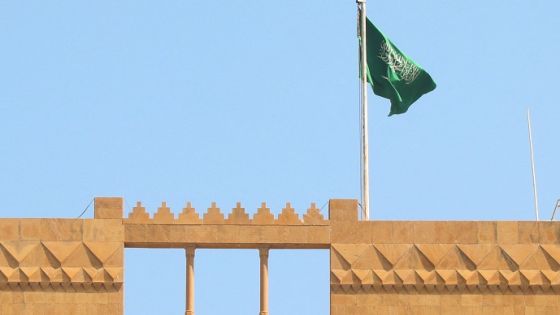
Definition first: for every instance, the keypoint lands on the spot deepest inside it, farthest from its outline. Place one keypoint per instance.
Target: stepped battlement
(214, 215)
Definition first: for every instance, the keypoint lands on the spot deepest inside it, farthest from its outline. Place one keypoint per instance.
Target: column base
(263, 313)
(189, 312)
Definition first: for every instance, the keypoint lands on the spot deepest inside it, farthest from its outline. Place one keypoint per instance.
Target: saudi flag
(392, 74)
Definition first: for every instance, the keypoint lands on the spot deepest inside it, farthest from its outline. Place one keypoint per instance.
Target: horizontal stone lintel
(226, 245)
(226, 236)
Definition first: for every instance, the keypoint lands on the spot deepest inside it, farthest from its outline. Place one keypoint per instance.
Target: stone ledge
(226, 236)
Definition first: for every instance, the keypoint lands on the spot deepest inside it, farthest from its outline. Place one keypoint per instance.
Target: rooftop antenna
(535, 194)
(556, 207)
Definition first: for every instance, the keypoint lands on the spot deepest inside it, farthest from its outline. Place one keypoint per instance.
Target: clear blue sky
(257, 101)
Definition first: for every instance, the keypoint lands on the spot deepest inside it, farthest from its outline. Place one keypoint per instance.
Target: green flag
(392, 74)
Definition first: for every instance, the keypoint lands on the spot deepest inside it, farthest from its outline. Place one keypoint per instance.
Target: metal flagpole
(364, 110)
(535, 194)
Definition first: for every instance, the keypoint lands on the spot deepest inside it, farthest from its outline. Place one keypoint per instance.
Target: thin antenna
(81, 214)
(535, 194)
(556, 207)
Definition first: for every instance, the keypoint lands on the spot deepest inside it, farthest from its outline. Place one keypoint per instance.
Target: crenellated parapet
(214, 215)
(234, 229)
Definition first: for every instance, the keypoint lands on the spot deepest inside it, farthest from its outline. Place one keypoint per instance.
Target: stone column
(263, 253)
(189, 253)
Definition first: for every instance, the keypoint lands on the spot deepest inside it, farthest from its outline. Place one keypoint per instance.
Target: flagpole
(363, 110)
(535, 194)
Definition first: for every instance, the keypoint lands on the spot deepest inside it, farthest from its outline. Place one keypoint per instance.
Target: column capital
(263, 252)
(189, 251)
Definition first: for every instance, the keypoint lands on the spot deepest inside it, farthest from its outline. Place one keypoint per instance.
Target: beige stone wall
(444, 304)
(442, 267)
(61, 266)
(75, 266)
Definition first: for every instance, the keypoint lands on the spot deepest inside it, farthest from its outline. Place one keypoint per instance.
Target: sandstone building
(75, 266)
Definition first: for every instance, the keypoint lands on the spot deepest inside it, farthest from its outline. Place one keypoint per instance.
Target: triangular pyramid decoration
(44, 277)
(102, 276)
(535, 277)
(388, 277)
(435, 252)
(492, 277)
(17, 276)
(338, 262)
(32, 273)
(370, 258)
(6, 273)
(503, 281)
(103, 250)
(552, 276)
(337, 275)
(3, 278)
(54, 274)
(455, 259)
(471, 277)
(115, 273)
(346, 277)
(6, 259)
(82, 256)
(414, 259)
(519, 252)
(392, 252)
(540, 259)
(365, 276)
(91, 272)
(450, 277)
(511, 277)
(61, 250)
(407, 276)
(476, 252)
(553, 250)
(350, 253)
(19, 249)
(73, 274)
(497, 259)
(40, 256)
(428, 277)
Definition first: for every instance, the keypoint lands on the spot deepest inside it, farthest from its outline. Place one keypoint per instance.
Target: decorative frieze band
(61, 264)
(446, 267)
(61, 278)
(263, 216)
